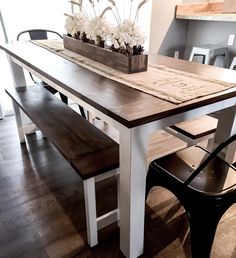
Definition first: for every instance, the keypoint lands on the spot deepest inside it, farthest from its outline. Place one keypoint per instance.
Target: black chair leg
(203, 223)
(150, 181)
(63, 98)
(81, 109)
(49, 88)
(54, 91)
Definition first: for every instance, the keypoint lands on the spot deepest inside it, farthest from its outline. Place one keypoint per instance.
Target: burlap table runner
(160, 81)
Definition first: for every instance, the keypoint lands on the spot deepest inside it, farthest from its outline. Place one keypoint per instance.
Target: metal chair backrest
(38, 34)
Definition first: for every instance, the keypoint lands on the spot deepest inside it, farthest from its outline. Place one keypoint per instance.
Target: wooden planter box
(132, 64)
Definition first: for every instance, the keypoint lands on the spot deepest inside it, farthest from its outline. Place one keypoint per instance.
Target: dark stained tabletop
(120, 102)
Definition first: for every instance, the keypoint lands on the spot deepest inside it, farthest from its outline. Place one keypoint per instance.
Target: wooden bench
(195, 130)
(89, 151)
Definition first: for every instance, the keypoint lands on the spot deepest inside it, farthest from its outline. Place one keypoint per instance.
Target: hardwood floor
(42, 208)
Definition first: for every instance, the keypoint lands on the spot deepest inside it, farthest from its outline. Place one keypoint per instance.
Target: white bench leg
(19, 123)
(118, 198)
(93, 222)
(90, 209)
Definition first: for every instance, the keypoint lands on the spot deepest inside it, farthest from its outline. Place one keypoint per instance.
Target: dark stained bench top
(88, 150)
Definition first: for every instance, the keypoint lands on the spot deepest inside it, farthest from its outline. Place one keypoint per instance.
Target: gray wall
(175, 39)
(169, 34)
(166, 33)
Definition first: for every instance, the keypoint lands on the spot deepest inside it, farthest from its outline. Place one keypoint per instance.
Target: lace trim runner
(160, 81)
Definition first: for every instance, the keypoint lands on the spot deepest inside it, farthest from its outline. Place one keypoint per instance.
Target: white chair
(203, 128)
(209, 52)
(233, 64)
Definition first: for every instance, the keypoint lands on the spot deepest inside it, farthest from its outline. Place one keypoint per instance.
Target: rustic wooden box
(132, 64)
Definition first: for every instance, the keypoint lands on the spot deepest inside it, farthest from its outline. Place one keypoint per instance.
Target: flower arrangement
(90, 25)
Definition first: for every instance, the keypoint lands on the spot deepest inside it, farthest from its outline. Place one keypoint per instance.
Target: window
(22, 15)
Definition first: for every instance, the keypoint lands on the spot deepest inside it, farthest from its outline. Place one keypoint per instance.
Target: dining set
(181, 91)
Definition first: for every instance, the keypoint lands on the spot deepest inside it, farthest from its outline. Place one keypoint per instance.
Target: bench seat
(89, 151)
(195, 130)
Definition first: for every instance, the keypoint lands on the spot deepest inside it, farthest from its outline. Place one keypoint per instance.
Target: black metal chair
(40, 34)
(205, 185)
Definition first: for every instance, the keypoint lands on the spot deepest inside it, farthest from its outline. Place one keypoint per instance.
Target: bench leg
(93, 222)
(90, 209)
(19, 123)
(118, 199)
(114, 215)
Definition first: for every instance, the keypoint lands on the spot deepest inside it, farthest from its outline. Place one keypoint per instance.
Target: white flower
(98, 27)
(127, 33)
(70, 24)
(76, 23)
(123, 37)
(115, 42)
(80, 22)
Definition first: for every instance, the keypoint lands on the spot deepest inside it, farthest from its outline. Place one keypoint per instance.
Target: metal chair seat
(209, 52)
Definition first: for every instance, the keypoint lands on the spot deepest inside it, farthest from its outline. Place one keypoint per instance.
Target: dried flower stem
(81, 3)
(131, 6)
(81, 8)
(109, 9)
(68, 15)
(118, 15)
(105, 10)
(139, 7)
(93, 7)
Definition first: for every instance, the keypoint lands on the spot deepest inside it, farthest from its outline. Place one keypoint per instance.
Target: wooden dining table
(133, 113)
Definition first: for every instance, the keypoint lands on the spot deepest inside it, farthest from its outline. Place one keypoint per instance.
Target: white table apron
(133, 156)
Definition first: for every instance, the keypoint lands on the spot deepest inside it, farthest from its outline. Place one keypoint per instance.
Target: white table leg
(20, 128)
(19, 81)
(225, 128)
(17, 74)
(133, 169)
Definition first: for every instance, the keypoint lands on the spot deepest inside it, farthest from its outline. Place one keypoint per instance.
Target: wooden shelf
(204, 11)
